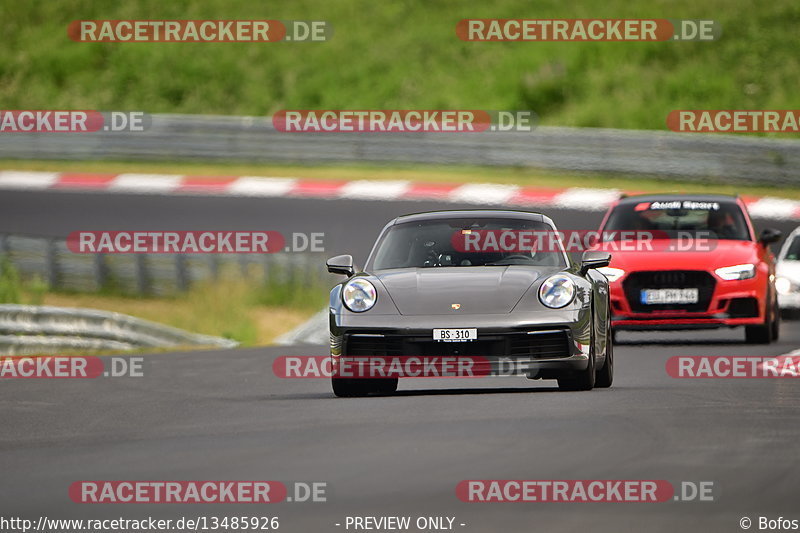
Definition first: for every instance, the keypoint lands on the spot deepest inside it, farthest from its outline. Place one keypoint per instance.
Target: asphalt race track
(351, 226)
(223, 415)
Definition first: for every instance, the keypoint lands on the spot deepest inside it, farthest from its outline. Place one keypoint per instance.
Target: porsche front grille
(534, 344)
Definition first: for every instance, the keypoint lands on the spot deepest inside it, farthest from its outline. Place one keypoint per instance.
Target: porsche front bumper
(543, 344)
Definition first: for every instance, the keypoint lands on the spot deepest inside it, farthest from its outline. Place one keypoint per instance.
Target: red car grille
(669, 279)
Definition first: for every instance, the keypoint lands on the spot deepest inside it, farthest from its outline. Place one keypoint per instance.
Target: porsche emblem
(455, 306)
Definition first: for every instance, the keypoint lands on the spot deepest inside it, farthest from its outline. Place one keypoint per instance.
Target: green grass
(249, 309)
(237, 309)
(405, 54)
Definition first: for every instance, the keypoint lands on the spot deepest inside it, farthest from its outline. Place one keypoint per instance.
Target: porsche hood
(460, 290)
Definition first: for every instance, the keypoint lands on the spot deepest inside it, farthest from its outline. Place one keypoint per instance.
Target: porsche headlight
(613, 274)
(359, 295)
(783, 285)
(557, 291)
(745, 271)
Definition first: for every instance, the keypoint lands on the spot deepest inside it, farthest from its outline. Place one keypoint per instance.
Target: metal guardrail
(156, 274)
(254, 139)
(315, 330)
(27, 329)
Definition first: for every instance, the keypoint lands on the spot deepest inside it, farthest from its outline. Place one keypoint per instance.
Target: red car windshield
(669, 219)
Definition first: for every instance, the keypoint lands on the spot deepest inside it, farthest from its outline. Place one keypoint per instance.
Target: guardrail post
(264, 267)
(213, 266)
(181, 273)
(51, 262)
(100, 271)
(141, 273)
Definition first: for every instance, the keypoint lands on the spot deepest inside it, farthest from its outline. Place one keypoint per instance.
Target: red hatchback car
(689, 262)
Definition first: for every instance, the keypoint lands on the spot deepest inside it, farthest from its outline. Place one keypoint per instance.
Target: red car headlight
(735, 272)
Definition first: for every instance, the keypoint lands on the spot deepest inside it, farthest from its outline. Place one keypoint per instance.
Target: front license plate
(455, 335)
(669, 296)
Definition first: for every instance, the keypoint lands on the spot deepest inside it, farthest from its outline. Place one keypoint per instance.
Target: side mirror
(341, 264)
(594, 259)
(769, 235)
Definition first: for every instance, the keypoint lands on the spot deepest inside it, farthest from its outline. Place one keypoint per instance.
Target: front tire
(763, 333)
(790, 314)
(776, 322)
(583, 380)
(384, 386)
(758, 334)
(348, 388)
(356, 388)
(605, 376)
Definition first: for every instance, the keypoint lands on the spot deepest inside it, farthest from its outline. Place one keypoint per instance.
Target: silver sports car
(787, 272)
(469, 293)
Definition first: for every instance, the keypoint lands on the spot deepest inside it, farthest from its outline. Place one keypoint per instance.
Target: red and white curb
(583, 199)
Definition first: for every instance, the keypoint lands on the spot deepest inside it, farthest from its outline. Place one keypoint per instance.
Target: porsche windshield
(468, 242)
(672, 218)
